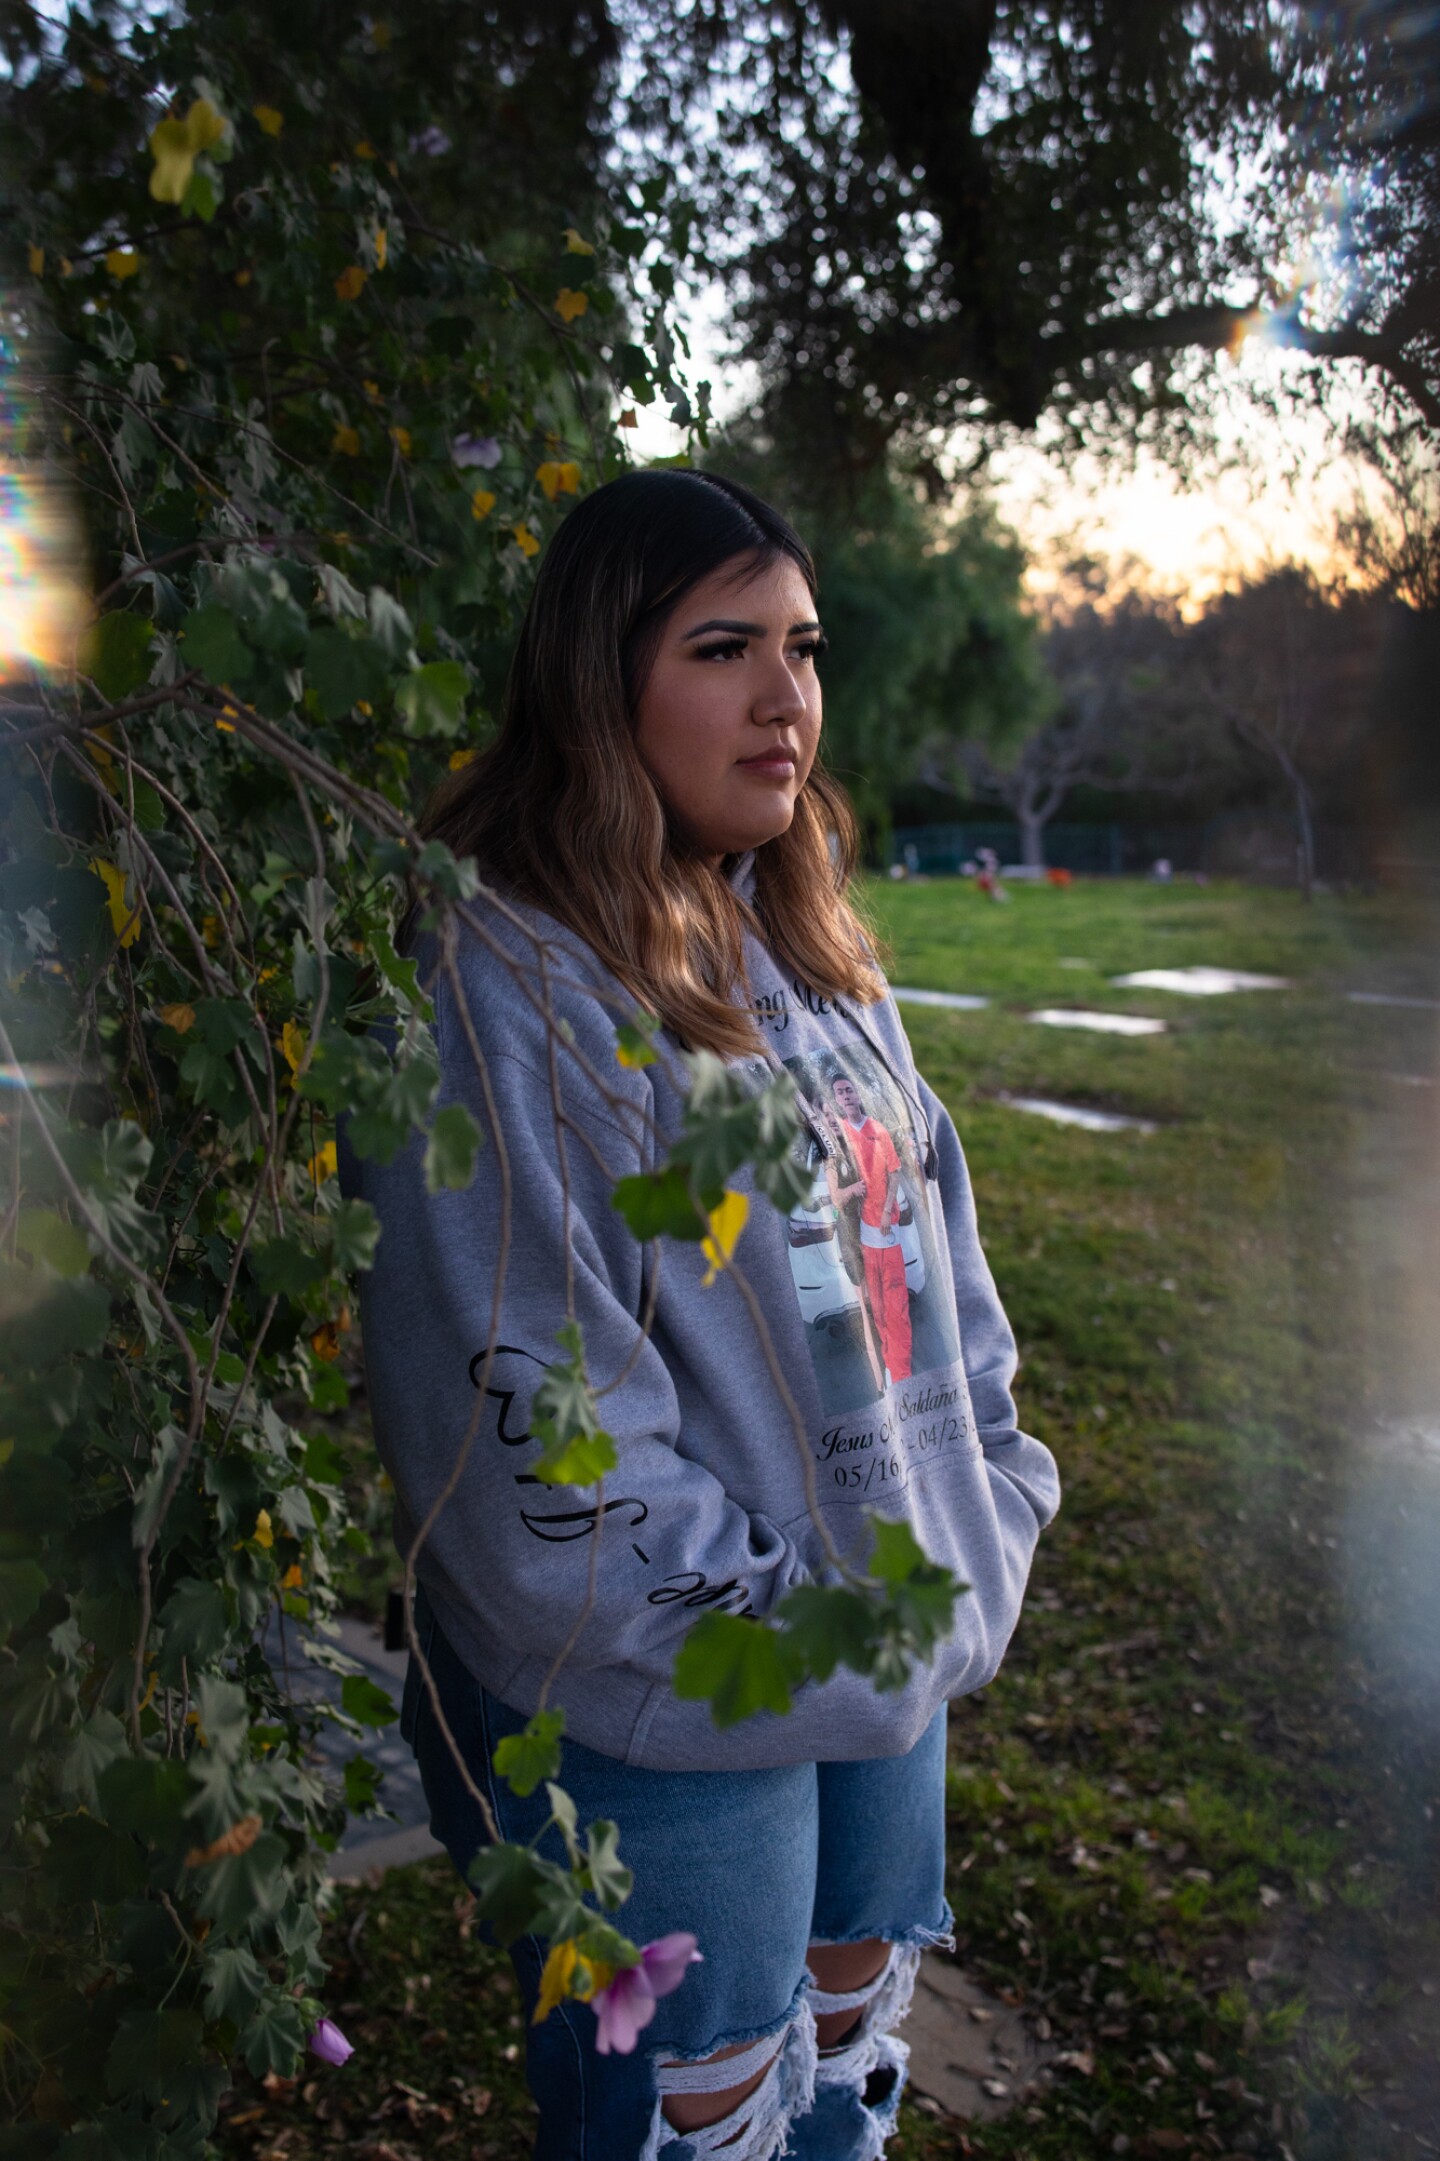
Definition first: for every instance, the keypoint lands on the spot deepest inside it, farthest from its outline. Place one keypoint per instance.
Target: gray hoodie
(884, 1322)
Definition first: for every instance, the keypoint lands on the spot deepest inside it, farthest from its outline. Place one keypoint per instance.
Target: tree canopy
(930, 212)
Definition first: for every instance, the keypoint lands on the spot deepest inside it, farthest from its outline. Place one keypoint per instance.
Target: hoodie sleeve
(987, 1340)
(511, 1555)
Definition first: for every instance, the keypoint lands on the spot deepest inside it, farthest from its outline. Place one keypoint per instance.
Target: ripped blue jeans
(758, 1865)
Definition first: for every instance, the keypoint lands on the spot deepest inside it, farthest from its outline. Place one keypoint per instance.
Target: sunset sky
(1191, 541)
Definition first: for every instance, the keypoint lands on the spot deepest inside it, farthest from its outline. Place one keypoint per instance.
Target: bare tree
(1286, 667)
(1117, 718)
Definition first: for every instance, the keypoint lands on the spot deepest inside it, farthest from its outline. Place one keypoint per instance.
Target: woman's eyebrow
(744, 630)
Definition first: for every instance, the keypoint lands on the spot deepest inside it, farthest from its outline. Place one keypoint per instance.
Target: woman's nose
(779, 695)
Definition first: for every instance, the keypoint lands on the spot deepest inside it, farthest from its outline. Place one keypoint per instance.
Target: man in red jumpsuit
(878, 1191)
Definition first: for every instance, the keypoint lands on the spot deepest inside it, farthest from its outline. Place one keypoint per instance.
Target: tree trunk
(1304, 825)
(1032, 835)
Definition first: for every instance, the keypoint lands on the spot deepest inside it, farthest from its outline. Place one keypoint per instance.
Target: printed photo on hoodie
(863, 1259)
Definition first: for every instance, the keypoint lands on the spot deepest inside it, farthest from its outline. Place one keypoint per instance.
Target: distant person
(879, 1196)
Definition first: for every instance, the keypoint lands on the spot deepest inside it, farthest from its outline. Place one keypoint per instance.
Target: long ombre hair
(561, 812)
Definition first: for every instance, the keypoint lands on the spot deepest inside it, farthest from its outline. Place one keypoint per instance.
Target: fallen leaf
(238, 1839)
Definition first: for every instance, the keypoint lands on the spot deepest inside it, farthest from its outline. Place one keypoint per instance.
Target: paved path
(369, 1841)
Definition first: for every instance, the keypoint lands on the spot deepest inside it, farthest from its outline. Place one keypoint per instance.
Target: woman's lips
(771, 764)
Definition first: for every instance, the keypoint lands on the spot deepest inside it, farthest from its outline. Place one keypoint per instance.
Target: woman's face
(729, 721)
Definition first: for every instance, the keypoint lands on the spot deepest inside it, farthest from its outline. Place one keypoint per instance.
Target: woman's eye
(730, 650)
(812, 648)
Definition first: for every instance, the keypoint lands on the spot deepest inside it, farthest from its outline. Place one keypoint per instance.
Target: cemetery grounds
(1194, 1821)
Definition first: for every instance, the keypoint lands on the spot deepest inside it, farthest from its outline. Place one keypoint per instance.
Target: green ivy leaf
(828, 1626)
(365, 1700)
(580, 1461)
(343, 669)
(234, 1981)
(149, 2045)
(455, 1141)
(90, 1862)
(431, 701)
(196, 1622)
(737, 1666)
(509, 1882)
(325, 1463)
(68, 1317)
(524, 1759)
(362, 1784)
(897, 1552)
(659, 1204)
(22, 1586)
(48, 1237)
(354, 1235)
(146, 1795)
(210, 640)
(283, 1267)
(606, 1873)
(115, 653)
(245, 1888)
(274, 2041)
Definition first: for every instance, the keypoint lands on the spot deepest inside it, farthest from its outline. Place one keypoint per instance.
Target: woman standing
(657, 830)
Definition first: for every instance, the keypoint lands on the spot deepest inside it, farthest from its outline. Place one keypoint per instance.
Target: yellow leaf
(263, 1534)
(568, 305)
(179, 1017)
(630, 418)
(175, 144)
(346, 440)
(324, 1163)
(574, 245)
(363, 705)
(37, 261)
(292, 1044)
(243, 277)
(382, 246)
(325, 1342)
(351, 283)
(122, 262)
(482, 502)
(461, 758)
(124, 913)
(371, 390)
(557, 479)
(525, 540)
(293, 1578)
(364, 149)
(555, 1977)
(210, 924)
(400, 437)
(380, 36)
(726, 1223)
(270, 121)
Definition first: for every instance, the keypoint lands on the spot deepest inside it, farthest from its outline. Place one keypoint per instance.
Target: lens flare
(42, 603)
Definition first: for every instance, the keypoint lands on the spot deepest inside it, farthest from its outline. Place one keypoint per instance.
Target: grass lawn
(1193, 1821)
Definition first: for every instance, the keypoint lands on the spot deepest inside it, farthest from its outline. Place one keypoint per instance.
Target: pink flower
(627, 2004)
(329, 2044)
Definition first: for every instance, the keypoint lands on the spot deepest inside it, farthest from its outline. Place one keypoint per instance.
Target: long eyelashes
(734, 648)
